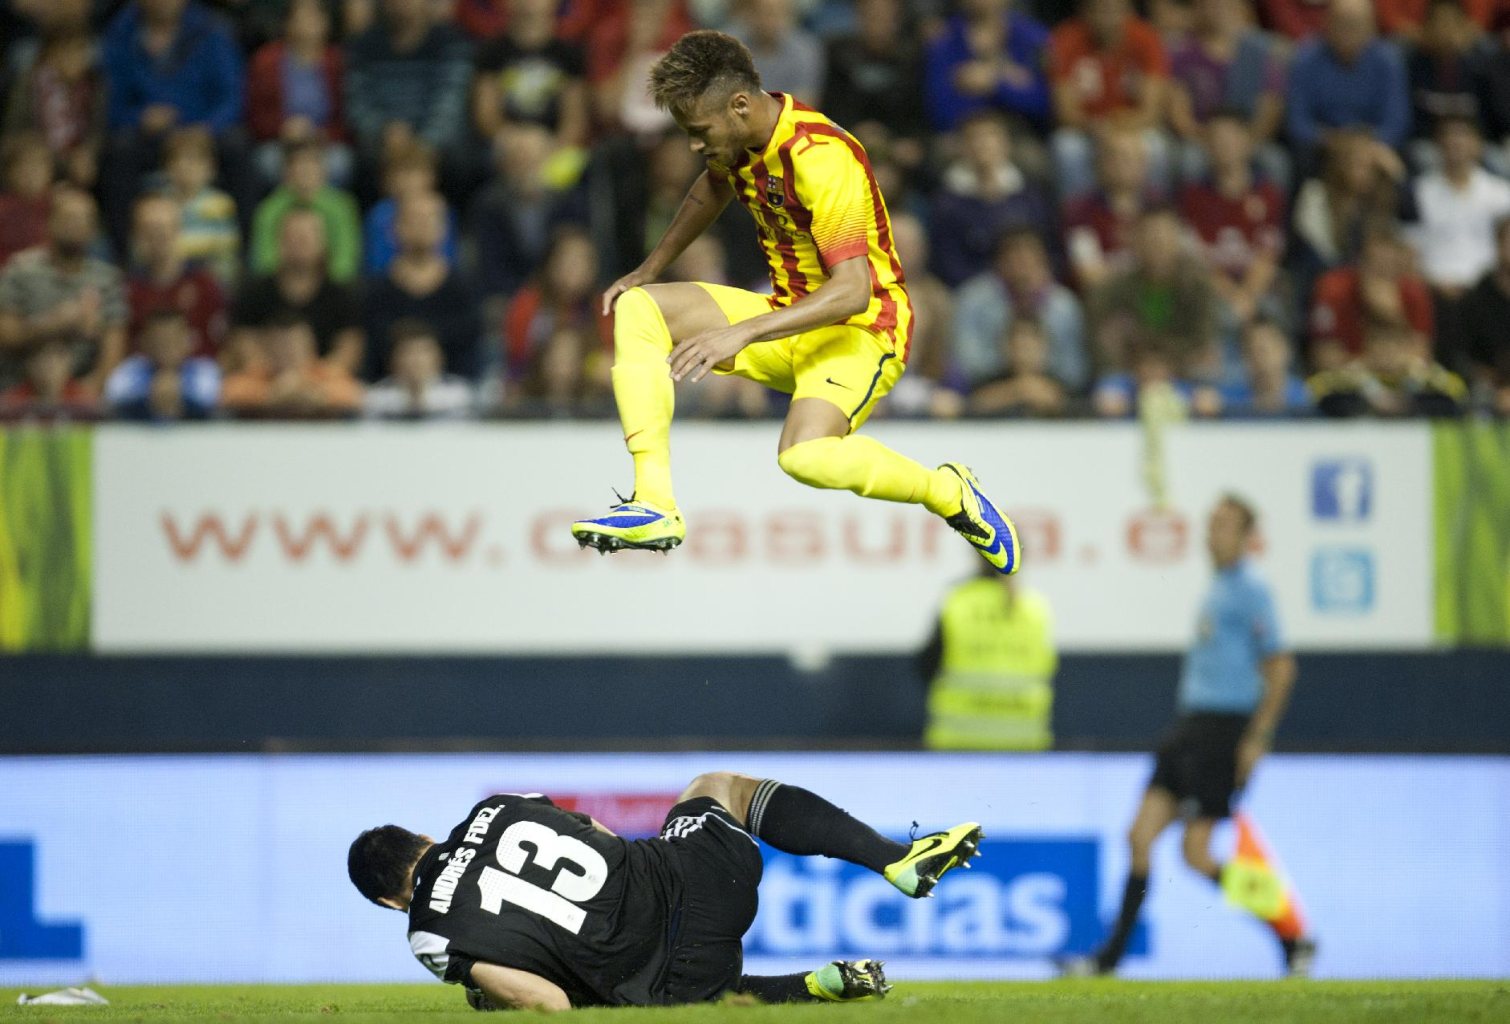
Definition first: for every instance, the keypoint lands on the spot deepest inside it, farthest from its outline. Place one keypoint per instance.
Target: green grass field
(1060, 1002)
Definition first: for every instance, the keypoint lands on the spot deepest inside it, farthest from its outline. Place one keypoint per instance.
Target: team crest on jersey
(775, 191)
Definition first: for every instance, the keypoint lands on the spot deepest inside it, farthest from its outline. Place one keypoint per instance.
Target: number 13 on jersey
(581, 878)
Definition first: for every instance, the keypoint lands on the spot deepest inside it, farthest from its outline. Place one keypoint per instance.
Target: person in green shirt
(305, 185)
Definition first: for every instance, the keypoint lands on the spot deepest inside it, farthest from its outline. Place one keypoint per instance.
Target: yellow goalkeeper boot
(931, 856)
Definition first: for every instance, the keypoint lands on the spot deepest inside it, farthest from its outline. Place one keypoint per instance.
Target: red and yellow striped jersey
(816, 203)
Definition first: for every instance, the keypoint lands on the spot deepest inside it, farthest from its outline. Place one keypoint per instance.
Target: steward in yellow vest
(991, 663)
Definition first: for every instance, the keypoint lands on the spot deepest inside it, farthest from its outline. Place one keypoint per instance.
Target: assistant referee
(1233, 692)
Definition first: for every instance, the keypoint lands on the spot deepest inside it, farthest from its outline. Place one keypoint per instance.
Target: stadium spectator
(59, 290)
(1020, 286)
(164, 381)
(168, 64)
(1294, 19)
(874, 81)
(1098, 228)
(925, 389)
(301, 287)
(417, 387)
(1410, 20)
(422, 285)
(1494, 86)
(990, 56)
(406, 79)
(211, 233)
(409, 172)
(625, 41)
(557, 342)
(1379, 288)
(26, 199)
(1347, 78)
(1394, 376)
(1026, 387)
(296, 94)
(284, 378)
(1239, 221)
(1446, 77)
(57, 89)
(1166, 296)
(161, 280)
(1106, 65)
(1359, 186)
(1152, 385)
(1269, 387)
(788, 57)
(1225, 65)
(49, 391)
(513, 218)
(529, 75)
(1482, 341)
(1456, 209)
(982, 194)
(306, 185)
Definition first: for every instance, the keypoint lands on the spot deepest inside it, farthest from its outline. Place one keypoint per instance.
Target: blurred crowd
(406, 209)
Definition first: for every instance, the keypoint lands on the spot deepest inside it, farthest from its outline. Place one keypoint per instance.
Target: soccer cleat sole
(606, 544)
(966, 850)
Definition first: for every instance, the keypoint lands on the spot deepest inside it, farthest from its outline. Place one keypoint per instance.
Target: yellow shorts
(844, 365)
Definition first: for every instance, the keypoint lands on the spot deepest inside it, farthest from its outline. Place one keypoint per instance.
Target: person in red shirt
(26, 202)
(1106, 64)
(1238, 220)
(295, 93)
(1379, 289)
(161, 279)
(1099, 227)
(50, 391)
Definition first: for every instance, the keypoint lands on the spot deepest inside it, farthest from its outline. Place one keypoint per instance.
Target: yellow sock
(643, 390)
(872, 470)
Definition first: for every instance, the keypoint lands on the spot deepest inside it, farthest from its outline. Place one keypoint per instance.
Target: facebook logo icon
(1342, 490)
(1342, 580)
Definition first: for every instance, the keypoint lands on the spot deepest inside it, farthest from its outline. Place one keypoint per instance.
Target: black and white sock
(798, 821)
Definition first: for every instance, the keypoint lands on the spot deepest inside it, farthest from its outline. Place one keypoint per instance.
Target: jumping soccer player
(1233, 692)
(834, 334)
(532, 906)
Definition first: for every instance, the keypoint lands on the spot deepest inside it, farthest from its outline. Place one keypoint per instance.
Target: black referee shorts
(1197, 762)
(720, 870)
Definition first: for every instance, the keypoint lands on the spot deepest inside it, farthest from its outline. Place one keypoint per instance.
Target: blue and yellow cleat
(631, 524)
(849, 981)
(931, 856)
(979, 522)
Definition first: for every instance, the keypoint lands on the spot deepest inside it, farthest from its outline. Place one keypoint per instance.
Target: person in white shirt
(417, 386)
(1458, 206)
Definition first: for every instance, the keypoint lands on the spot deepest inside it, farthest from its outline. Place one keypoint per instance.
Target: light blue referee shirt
(1238, 628)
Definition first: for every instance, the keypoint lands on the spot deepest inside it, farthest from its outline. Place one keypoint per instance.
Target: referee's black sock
(1112, 950)
(797, 821)
(776, 988)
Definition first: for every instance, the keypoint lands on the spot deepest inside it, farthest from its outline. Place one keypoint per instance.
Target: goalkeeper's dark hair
(380, 860)
(1245, 510)
(702, 63)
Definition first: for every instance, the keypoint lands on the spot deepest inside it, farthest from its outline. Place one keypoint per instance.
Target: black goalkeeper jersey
(524, 884)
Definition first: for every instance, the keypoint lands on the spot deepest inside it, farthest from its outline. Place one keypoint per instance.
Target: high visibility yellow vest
(994, 689)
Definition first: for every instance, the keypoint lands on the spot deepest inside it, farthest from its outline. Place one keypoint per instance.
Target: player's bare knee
(730, 789)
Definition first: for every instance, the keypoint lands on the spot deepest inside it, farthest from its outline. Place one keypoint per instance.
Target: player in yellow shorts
(834, 334)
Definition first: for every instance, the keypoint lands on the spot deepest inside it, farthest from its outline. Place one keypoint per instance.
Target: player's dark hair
(380, 860)
(697, 64)
(1245, 510)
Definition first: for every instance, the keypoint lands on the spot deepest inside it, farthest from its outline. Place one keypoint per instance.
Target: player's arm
(846, 293)
(1279, 671)
(705, 201)
(509, 988)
